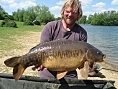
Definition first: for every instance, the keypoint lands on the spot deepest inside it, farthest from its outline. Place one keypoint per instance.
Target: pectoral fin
(61, 74)
(85, 70)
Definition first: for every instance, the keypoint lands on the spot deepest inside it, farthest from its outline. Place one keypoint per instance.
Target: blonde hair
(75, 3)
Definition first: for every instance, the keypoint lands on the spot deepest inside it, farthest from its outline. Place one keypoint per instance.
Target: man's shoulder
(80, 27)
(54, 22)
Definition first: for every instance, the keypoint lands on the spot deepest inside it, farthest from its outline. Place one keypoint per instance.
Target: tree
(83, 19)
(15, 15)
(107, 18)
(89, 19)
(40, 13)
(58, 18)
(44, 15)
(2, 13)
(20, 15)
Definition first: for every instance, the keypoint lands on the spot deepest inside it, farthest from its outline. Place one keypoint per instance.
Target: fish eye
(98, 53)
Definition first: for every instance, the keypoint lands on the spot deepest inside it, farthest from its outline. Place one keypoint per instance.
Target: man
(66, 29)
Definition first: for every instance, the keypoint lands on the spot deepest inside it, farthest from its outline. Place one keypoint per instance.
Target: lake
(104, 38)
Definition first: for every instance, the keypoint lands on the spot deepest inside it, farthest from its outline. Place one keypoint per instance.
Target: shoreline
(113, 64)
(108, 72)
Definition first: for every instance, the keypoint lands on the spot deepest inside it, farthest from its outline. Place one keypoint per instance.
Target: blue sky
(88, 6)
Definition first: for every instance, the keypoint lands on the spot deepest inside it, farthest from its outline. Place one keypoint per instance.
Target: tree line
(107, 18)
(40, 13)
(43, 15)
(34, 13)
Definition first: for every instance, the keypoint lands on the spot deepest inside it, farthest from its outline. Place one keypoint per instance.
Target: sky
(89, 7)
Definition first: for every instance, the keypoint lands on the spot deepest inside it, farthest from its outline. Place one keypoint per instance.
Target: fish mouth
(104, 57)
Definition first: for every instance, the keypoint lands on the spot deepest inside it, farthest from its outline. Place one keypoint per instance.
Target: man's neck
(68, 27)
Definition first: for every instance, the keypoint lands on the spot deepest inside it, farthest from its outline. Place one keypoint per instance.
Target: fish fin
(61, 74)
(11, 62)
(85, 70)
(18, 71)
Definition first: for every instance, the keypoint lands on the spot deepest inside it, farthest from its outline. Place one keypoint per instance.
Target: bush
(28, 22)
(8, 23)
(35, 22)
(2, 24)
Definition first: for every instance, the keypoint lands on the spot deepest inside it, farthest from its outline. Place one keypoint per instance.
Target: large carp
(59, 55)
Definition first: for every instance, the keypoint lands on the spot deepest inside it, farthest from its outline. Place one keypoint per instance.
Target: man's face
(70, 16)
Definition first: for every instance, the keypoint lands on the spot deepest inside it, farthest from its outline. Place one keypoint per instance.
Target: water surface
(104, 38)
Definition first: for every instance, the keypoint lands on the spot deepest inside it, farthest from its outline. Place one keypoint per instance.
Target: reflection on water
(104, 38)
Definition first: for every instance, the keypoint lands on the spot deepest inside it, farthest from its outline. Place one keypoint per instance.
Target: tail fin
(18, 68)
(18, 71)
(11, 62)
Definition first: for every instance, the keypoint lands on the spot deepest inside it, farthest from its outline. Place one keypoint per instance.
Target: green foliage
(82, 19)
(23, 15)
(10, 17)
(36, 22)
(89, 19)
(40, 13)
(58, 18)
(44, 16)
(8, 23)
(28, 23)
(2, 13)
(107, 18)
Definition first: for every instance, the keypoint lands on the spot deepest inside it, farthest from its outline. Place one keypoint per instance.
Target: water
(104, 38)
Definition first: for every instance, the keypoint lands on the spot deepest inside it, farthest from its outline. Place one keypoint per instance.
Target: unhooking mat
(29, 82)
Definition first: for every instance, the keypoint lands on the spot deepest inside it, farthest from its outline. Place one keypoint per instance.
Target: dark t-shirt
(55, 30)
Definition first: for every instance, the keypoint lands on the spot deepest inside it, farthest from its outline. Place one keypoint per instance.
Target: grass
(9, 36)
(17, 41)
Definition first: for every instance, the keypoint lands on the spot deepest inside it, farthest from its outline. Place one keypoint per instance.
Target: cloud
(58, 6)
(88, 13)
(55, 8)
(22, 4)
(96, 8)
(7, 1)
(85, 3)
(15, 4)
(114, 2)
(111, 9)
(99, 6)
(60, 3)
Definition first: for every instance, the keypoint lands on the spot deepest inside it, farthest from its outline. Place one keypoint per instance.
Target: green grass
(9, 35)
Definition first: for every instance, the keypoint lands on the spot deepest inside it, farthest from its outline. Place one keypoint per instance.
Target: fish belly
(62, 64)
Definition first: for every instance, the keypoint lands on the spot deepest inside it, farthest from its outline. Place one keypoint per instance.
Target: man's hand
(39, 68)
